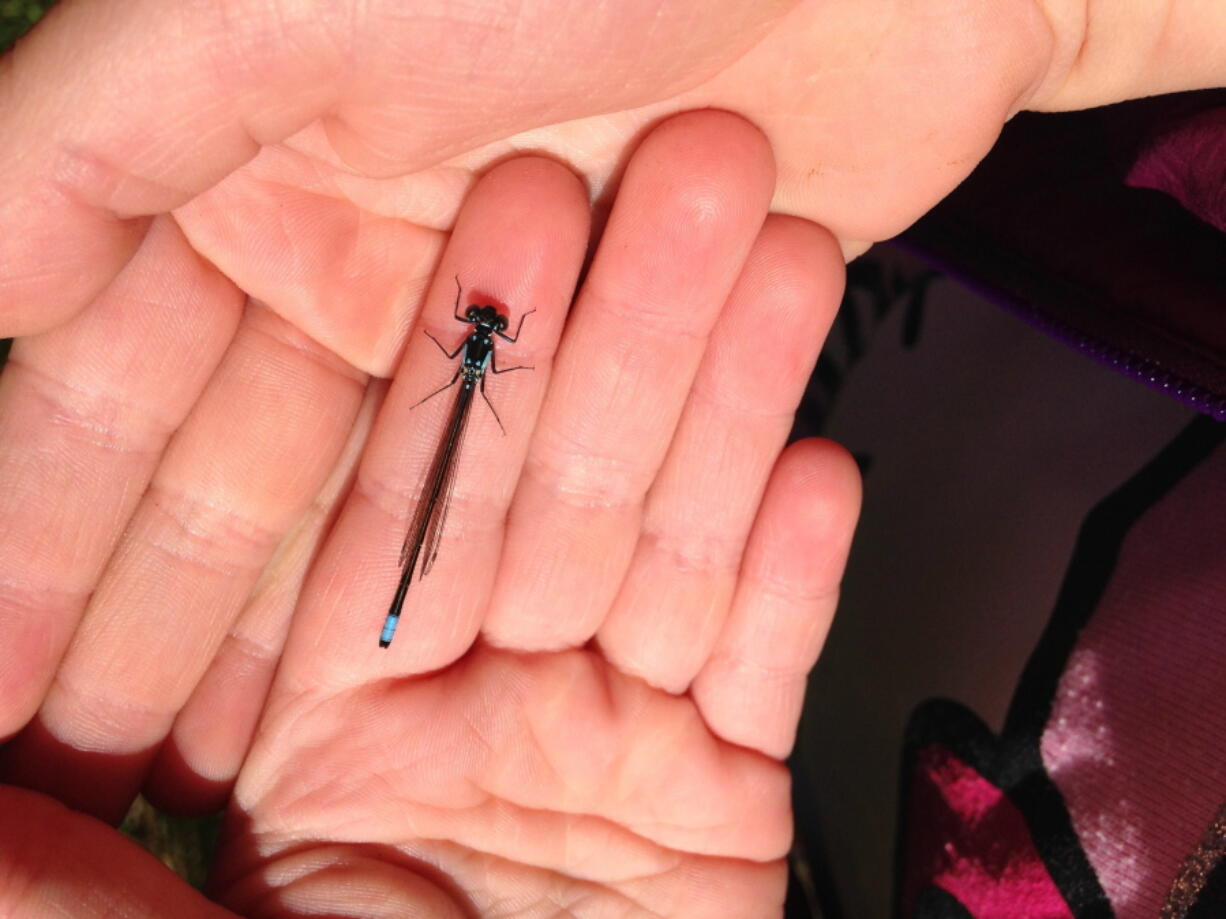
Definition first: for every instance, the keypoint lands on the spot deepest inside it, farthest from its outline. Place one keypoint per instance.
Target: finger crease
(589, 481)
(789, 591)
(99, 718)
(257, 652)
(47, 604)
(102, 420)
(695, 550)
(466, 512)
(211, 537)
(709, 397)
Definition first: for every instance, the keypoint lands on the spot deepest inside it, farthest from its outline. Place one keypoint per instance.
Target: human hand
(168, 409)
(638, 499)
(334, 227)
(314, 158)
(314, 114)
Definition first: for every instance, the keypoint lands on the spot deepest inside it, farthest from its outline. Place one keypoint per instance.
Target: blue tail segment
(389, 629)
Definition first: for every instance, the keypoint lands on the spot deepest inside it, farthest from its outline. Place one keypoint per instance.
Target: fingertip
(753, 685)
(817, 483)
(521, 237)
(517, 188)
(792, 284)
(717, 158)
(737, 135)
(537, 169)
(805, 258)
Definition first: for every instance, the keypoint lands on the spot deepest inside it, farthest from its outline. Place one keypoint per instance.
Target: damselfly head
(487, 316)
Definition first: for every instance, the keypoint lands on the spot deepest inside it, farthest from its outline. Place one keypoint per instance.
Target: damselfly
(426, 528)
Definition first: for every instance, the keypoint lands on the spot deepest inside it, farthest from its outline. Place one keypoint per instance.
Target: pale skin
(223, 227)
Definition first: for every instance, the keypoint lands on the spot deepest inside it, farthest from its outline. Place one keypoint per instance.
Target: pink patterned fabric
(967, 838)
(1136, 741)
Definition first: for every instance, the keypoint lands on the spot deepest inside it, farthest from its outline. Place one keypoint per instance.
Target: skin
(588, 700)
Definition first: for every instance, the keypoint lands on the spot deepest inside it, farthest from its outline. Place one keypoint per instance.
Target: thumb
(112, 113)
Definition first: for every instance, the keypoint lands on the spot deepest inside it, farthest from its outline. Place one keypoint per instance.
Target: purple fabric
(1137, 732)
(1133, 277)
(1188, 162)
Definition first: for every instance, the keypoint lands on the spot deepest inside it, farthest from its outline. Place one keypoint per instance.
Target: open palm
(588, 696)
(540, 772)
(314, 160)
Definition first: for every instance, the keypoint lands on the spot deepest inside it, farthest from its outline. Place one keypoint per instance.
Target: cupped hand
(162, 166)
(588, 697)
(302, 120)
(159, 165)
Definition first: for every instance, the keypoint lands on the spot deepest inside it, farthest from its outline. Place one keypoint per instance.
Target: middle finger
(692, 202)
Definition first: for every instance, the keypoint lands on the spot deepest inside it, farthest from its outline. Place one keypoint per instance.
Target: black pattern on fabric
(1013, 762)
